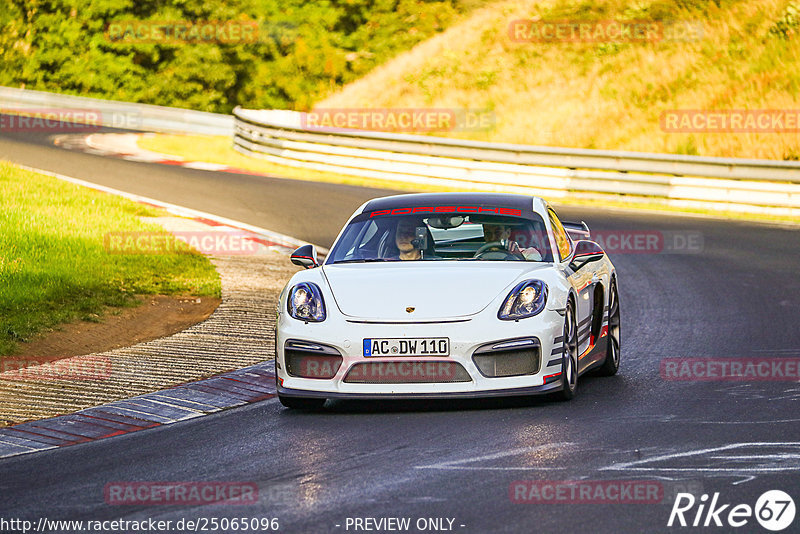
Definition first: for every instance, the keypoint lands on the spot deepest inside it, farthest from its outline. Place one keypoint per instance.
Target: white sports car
(447, 295)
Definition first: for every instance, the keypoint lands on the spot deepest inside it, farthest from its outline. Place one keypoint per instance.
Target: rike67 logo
(774, 510)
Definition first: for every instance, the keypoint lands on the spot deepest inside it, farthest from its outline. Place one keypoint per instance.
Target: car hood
(437, 290)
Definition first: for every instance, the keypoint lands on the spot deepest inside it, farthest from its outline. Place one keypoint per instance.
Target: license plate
(415, 346)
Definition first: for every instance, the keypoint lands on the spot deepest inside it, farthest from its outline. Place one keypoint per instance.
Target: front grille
(311, 360)
(407, 372)
(516, 357)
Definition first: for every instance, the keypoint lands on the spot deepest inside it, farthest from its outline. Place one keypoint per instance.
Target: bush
(305, 50)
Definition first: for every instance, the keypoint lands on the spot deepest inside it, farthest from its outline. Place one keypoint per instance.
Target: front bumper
(515, 392)
(466, 336)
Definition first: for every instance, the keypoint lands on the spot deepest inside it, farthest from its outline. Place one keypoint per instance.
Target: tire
(611, 363)
(569, 357)
(302, 403)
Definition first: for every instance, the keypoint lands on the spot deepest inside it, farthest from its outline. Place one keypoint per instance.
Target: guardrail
(748, 185)
(123, 115)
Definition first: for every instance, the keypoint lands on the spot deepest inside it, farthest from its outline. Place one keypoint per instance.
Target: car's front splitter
(512, 392)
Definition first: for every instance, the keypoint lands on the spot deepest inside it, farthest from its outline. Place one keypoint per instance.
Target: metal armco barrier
(123, 115)
(748, 185)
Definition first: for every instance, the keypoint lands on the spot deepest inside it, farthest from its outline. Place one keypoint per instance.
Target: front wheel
(611, 364)
(569, 357)
(302, 403)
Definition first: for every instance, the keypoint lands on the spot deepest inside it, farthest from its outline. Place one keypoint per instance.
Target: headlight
(305, 303)
(525, 300)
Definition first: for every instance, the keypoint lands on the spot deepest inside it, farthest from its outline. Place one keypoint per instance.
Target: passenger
(496, 233)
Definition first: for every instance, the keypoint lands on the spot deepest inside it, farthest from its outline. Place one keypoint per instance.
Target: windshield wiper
(360, 260)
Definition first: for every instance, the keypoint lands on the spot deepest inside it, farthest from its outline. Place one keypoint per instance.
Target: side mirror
(585, 252)
(305, 256)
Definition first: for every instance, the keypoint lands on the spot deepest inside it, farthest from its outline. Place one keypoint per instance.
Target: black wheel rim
(613, 325)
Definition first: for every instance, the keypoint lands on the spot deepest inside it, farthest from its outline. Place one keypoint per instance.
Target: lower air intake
(517, 358)
(311, 360)
(407, 372)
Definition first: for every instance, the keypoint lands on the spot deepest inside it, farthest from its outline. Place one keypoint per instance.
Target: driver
(404, 240)
(501, 234)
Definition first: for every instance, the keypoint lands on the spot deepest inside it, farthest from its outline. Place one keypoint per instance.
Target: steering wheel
(495, 246)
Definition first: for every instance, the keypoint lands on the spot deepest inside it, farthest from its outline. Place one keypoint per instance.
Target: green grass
(53, 264)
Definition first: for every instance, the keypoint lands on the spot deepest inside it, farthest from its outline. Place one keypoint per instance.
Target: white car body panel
(454, 299)
(435, 289)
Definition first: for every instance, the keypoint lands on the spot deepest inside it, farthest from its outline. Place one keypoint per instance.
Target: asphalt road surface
(731, 291)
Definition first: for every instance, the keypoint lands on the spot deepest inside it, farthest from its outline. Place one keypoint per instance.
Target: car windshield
(476, 237)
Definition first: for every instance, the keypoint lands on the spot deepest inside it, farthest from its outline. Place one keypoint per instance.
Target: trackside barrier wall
(747, 185)
(123, 115)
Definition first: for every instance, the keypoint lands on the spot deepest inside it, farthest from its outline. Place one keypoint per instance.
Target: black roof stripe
(505, 200)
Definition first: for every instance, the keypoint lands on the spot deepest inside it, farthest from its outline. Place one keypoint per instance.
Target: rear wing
(577, 231)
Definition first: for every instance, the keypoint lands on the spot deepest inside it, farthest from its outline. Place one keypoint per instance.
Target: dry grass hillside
(604, 95)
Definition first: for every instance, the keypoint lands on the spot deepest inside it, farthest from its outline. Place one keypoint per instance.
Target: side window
(560, 235)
